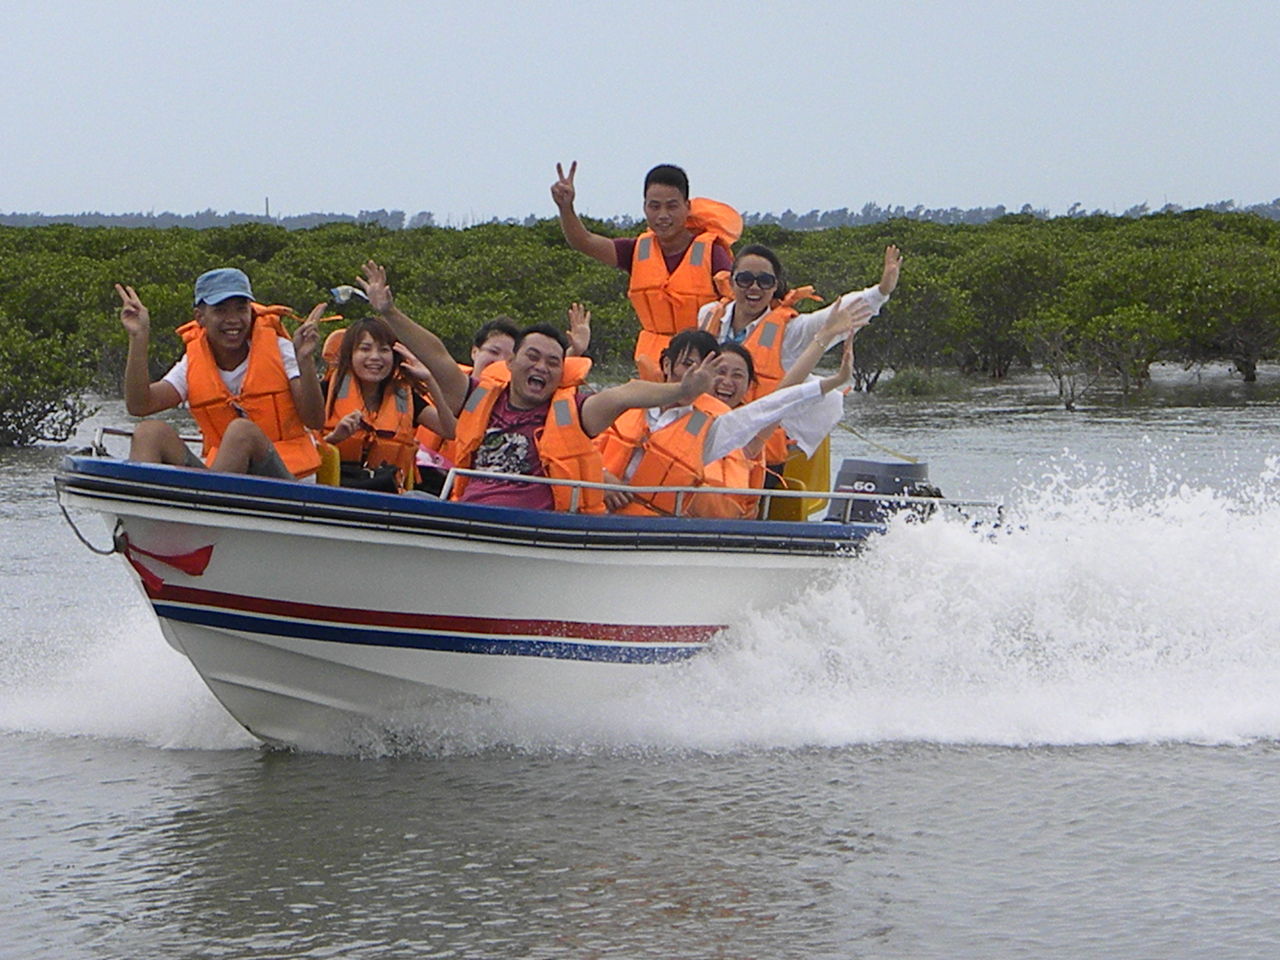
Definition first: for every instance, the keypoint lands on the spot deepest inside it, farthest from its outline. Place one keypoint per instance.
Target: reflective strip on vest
(768, 334)
(696, 254)
(402, 400)
(696, 419)
(642, 250)
(560, 410)
(476, 398)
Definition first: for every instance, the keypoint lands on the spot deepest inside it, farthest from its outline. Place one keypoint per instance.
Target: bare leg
(246, 449)
(155, 441)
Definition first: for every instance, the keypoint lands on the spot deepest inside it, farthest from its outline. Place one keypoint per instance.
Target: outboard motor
(897, 477)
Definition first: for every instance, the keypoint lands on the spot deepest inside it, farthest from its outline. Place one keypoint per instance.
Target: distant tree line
(1082, 298)
(208, 219)
(868, 213)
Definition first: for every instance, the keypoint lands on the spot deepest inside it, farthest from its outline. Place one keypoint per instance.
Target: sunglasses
(745, 278)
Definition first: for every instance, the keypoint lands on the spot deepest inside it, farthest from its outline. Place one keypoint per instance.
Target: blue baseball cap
(222, 284)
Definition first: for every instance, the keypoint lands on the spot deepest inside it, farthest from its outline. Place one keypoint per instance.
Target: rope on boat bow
(115, 544)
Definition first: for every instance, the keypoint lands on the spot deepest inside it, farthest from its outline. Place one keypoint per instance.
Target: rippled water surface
(1057, 740)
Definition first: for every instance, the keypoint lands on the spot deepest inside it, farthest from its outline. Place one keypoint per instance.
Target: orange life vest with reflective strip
(391, 439)
(429, 438)
(764, 343)
(672, 456)
(565, 450)
(735, 471)
(264, 397)
(666, 303)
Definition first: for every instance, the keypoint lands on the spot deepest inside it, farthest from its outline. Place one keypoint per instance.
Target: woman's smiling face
(753, 299)
(371, 361)
(732, 379)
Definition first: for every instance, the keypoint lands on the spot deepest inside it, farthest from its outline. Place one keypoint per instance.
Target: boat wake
(1093, 615)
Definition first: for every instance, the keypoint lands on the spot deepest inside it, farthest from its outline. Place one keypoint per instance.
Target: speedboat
(309, 608)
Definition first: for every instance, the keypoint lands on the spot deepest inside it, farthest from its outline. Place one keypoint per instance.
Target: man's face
(665, 210)
(536, 370)
(673, 372)
(228, 324)
(498, 346)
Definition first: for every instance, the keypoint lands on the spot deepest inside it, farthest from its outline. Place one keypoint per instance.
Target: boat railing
(100, 441)
(847, 497)
(821, 498)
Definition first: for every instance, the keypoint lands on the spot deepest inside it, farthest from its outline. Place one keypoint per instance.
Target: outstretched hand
(374, 285)
(698, 380)
(892, 266)
(134, 316)
(848, 315)
(307, 336)
(562, 191)
(843, 375)
(579, 329)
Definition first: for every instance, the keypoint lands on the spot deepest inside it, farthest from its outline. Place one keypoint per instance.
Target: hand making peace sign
(562, 191)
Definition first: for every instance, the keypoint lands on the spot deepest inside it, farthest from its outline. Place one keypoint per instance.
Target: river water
(1057, 740)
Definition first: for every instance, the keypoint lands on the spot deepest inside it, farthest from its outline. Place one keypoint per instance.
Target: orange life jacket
(666, 303)
(565, 450)
(429, 438)
(264, 396)
(672, 456)
(764, 343)
(736, 471)
(391, 437)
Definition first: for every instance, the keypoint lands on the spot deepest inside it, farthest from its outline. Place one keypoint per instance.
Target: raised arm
(845, 318)
(141, 397)
(305, 388)
(892, 266)
(600, 409)
(803, 328)
(437, 418)
(579, 330)
(424, 344)
(745, 426)
(577, 235)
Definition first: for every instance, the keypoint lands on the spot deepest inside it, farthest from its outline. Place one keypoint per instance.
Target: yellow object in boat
(330, 471)
(803, 473)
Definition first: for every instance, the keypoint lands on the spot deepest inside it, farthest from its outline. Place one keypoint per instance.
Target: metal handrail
(680, 491)
(767, 495)
(100, 449)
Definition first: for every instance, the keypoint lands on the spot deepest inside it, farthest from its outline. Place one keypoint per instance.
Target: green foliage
(1081, 297)
(1128, 340)
(41, 384)
(915, 382)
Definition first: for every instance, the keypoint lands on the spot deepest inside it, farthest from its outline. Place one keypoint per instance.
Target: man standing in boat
(671, 263)
(528, 415)
(252, 389)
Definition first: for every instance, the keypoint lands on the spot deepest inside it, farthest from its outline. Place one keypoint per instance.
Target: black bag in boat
(359, 477)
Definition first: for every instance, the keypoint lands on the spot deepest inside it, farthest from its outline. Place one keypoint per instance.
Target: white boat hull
(307, 610)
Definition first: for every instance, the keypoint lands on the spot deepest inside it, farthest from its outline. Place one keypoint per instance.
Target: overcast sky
(463, 108)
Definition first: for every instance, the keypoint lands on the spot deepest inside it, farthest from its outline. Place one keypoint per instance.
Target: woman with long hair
(373, 408)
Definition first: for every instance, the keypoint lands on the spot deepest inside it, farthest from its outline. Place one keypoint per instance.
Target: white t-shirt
(234, 379)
